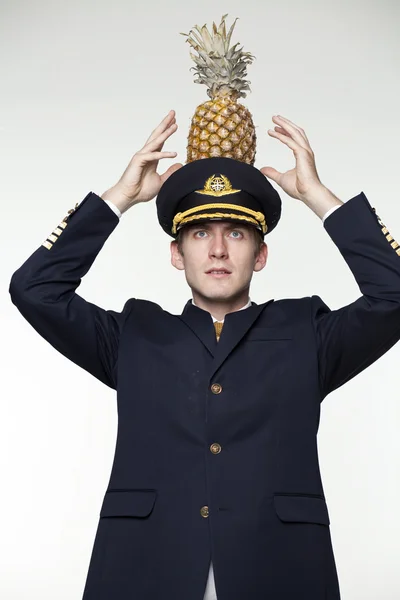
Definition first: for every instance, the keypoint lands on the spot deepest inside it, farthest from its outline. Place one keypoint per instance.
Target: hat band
(182, 217)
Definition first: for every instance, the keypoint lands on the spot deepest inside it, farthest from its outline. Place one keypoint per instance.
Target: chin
(217, 294)
(217, 290)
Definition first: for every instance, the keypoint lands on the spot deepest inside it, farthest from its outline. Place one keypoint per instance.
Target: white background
(82, 86)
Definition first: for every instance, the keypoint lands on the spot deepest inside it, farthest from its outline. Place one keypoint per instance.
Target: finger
(279, 118)
(298, 134)
(281, 130)
(162, 126)
(146, 157)
(284, 119)
(285, 139)
(167, 120)
(271, 173)
(170, 170)
(158, 142)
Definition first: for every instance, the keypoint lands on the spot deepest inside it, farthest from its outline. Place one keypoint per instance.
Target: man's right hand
(140, 181)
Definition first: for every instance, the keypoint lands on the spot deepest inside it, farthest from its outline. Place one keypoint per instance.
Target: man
(216, 469)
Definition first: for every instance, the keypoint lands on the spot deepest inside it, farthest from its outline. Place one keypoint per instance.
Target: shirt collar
(221, 321)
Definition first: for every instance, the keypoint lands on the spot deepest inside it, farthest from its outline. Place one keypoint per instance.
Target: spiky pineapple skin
(222, 126)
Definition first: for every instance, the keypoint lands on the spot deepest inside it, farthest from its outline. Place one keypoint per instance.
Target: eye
(200, 231)
(237, 231)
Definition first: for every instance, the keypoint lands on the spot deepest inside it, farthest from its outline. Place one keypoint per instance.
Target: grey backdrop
(82, 86)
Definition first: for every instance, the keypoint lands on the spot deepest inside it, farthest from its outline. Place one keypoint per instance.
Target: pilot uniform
(216, 470)
(210, 592)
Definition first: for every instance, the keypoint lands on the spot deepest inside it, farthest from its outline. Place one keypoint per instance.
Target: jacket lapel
(236, 325)
(201, 323)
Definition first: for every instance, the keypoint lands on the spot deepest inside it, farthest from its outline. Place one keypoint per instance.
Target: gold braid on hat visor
(256, 218)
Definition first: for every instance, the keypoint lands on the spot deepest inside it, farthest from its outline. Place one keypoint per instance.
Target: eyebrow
(227, 226)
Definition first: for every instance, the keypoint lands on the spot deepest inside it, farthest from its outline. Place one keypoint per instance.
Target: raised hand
(140, 181)
(302, 181)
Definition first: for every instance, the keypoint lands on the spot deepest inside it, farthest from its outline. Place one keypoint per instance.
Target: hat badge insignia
(217, 186)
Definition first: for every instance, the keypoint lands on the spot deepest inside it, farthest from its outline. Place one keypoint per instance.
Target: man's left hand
(302, 182)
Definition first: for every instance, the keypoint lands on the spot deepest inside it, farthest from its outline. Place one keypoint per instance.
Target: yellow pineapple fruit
(221, 126)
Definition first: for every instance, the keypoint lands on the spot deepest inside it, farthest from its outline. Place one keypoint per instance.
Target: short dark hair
(257, 236)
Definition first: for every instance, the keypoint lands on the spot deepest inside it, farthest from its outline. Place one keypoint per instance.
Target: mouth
(218, 273)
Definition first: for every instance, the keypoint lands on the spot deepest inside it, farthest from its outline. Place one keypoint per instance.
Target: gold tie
(218, 328)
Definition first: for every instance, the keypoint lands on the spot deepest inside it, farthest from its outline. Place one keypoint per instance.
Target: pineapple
(221, 126)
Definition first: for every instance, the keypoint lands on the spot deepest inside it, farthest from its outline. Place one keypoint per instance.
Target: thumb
(271, 173)
(170, 170)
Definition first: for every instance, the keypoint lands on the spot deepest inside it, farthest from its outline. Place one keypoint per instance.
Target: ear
(261, 259)
(176, 256)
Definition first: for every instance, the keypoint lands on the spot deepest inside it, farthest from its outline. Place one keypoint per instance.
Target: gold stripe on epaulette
(58, 230)
(387, 235)
(71, 210)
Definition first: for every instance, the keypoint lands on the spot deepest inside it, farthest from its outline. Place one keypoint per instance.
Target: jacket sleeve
(44, 291)
(353, 337)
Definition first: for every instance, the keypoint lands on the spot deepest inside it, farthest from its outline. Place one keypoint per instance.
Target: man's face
(217, 245)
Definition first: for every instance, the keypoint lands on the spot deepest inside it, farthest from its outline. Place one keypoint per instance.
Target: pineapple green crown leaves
(221, 67)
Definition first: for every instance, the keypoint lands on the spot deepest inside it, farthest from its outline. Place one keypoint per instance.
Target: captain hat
(218, 188)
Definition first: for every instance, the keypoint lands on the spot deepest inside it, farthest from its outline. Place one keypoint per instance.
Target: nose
(218, 246)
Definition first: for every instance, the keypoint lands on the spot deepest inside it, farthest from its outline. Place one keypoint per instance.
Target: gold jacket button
(215, 448)
(216, 388)
(204, 511)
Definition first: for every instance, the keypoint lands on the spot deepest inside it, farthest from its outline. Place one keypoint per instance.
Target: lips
(219, 271)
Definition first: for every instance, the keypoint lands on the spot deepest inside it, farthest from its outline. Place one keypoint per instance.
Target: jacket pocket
(301, 508)
(128, 503)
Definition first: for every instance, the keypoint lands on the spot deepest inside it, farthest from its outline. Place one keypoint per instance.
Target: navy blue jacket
(216, 455)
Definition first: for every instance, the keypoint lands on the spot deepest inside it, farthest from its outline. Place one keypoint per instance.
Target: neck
(219, 308)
